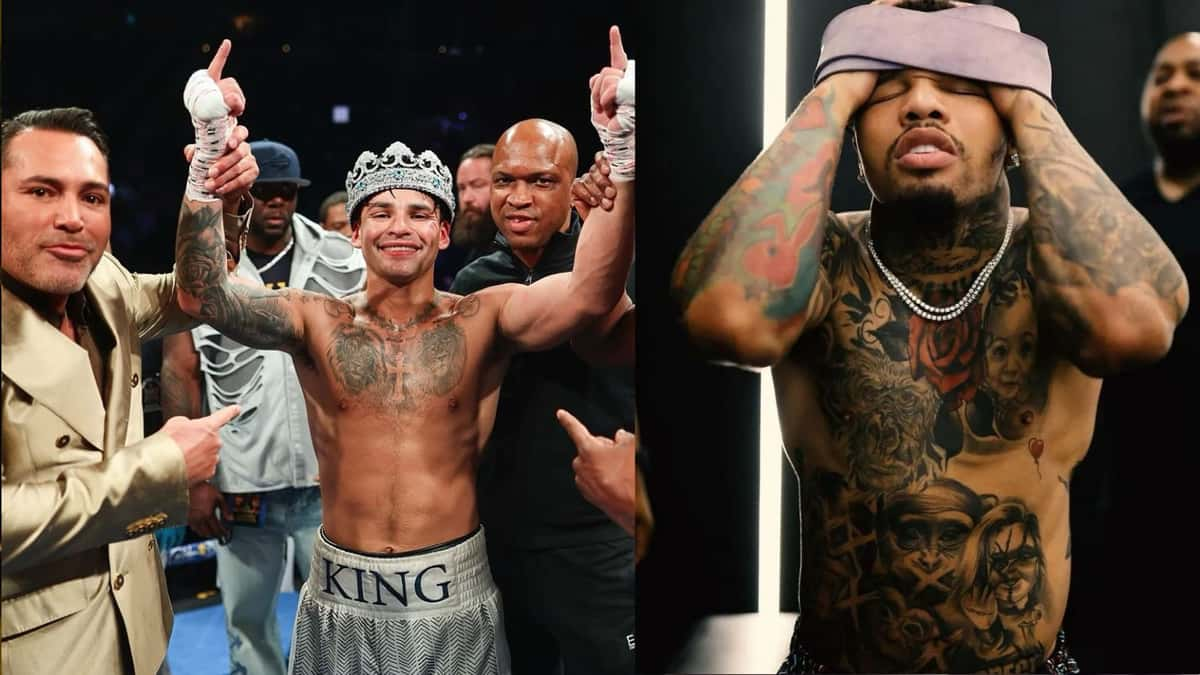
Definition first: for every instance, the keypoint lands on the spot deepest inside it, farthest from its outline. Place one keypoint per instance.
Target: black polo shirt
(527, 493)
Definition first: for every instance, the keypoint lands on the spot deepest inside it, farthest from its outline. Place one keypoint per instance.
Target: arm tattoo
(1084, 230)
(766, 233)
(256, 317)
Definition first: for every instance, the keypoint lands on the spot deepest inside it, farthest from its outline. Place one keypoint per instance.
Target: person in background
(332, 213)
(1120, 488)
(265, 490)
(565, 568)
(474, 229)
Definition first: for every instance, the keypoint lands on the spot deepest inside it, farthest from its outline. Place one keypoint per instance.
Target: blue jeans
(250, 569)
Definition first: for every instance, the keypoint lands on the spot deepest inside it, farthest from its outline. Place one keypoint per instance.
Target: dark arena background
(440, 76)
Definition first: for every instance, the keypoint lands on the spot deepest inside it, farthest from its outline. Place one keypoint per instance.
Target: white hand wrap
(210, 117)
(619, 144)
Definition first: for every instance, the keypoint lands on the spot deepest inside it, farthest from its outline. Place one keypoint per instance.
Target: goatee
(930, 211)
(1178, 147)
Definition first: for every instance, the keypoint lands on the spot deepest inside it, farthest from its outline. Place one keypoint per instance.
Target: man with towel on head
(407, 378)
(937, 357)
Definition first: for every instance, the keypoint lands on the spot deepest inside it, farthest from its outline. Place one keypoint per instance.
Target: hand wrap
(619, 144)
(210, 117)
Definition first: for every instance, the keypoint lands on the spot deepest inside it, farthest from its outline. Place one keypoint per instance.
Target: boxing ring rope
(770, 438)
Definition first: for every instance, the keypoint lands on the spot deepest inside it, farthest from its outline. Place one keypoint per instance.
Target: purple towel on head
(979, 42)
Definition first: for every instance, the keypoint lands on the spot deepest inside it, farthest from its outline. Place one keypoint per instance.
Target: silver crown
(399, 167)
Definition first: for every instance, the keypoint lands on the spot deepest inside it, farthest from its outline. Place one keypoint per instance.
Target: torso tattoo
(384, 366)
(909, 565)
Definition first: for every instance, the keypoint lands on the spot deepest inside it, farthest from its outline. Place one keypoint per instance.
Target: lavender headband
(980, 42)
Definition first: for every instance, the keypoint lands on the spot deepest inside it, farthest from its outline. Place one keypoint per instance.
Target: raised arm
(553, 309)
(1106, 282)
(256, 317)
(610, 341)
(750, 280)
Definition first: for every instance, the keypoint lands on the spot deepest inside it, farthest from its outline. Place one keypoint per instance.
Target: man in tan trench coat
(83, 587)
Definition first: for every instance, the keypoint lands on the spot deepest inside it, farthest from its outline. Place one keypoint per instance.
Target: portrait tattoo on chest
(388, 366)
(931, 575)
(358, 358)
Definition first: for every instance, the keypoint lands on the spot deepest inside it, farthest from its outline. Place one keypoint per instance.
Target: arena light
(770, 437)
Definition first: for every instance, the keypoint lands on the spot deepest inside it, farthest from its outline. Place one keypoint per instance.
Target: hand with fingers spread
(200, 441)
(593, 188)
(613, 112)
(203, 502)
(604, 470)
(214, 103)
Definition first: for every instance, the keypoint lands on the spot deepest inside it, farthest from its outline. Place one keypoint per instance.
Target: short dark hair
(477, 151)
(338, 197)
(926, 5)
(443, 209)
(79, 121)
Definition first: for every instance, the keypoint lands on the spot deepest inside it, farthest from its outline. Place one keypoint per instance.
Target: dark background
(700, 94)
(440, 76)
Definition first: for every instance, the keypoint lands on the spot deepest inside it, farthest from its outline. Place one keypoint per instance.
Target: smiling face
(400, 233)
(1014, 567)
(923, 133)
(55, 210)
(532, 170)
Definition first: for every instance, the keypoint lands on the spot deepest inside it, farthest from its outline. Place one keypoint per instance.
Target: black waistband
(404, 554)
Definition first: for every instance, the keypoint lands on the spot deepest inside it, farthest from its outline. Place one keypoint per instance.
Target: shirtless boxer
(938, 355)
(408, 378)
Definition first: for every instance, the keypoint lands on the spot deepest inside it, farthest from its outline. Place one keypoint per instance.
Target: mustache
(473, 216)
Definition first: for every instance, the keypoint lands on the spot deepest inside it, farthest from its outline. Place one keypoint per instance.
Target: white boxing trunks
(428, 612)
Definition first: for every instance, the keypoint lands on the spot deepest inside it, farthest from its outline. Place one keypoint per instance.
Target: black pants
(800, 662)
(568, 610)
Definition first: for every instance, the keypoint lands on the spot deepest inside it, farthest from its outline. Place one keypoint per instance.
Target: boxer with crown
(408, 379)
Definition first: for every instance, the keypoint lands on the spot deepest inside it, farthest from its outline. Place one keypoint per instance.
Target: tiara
(399, 167)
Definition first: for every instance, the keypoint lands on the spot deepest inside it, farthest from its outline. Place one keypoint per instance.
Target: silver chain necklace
(278, 256)
(930, 312)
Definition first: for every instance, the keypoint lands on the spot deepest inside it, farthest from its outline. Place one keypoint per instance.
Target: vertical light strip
(770, 438)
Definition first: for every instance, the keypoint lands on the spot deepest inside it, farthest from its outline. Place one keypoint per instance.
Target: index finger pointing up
(616, 51)
(218, 62)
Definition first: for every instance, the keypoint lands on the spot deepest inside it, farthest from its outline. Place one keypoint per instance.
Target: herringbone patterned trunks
(426, 613)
